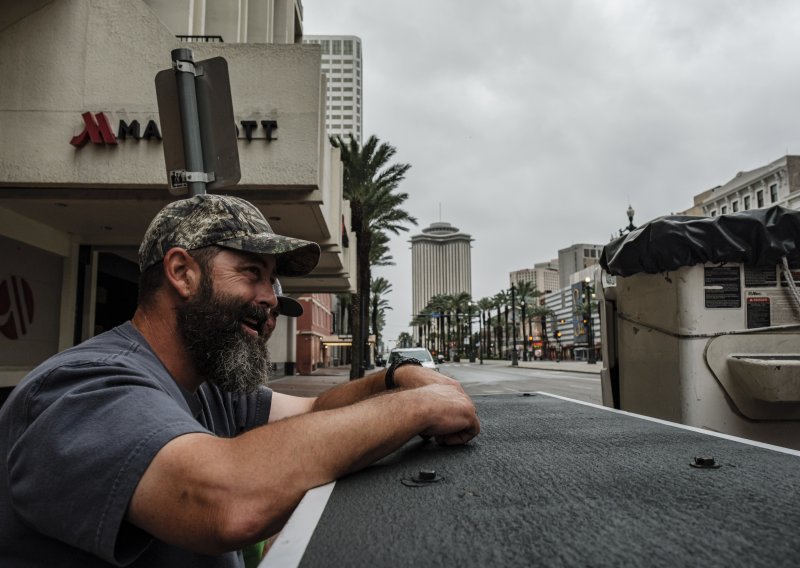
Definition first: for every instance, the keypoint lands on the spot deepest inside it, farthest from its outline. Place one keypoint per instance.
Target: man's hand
(413, 376)
(452, 416)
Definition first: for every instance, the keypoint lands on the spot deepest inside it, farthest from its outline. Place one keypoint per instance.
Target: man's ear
(182, 272)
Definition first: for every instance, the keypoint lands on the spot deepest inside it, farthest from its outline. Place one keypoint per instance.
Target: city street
(498, 377)
(493, 377)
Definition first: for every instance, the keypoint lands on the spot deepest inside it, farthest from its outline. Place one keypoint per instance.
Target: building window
(735, 206)
(348, 47)
(723, 210)
(760, 198)
(747, 203)
(326, 46)
(773, 193)
(713, 212)
(337, 47)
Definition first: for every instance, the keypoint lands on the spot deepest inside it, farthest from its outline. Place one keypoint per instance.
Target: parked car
(419, 353)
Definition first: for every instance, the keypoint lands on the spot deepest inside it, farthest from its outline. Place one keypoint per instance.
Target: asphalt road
(497, 377)
(493, 377)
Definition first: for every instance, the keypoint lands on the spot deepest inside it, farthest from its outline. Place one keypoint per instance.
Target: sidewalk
(313, 384)
(571, 366)
(324, 378)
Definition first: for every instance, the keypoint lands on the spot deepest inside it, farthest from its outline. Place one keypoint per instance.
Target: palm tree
(486, 305)
(369, 184)
(404, 339)
(379, 305)
(501, 300)
(379, 251)
(543, 312)
(526, 294)
(459, 304)
(438, 305)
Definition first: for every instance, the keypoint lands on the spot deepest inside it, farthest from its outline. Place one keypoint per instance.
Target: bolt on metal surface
(423, 477)
(704, 463)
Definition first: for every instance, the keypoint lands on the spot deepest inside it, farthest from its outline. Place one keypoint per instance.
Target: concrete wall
(108, 55)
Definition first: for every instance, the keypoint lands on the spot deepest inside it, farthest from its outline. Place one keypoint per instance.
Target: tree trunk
(355, 334)
(364, 277)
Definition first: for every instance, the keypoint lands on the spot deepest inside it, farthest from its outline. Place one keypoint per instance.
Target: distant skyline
(532, 125)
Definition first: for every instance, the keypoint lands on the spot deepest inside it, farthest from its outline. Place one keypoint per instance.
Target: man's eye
(255, 271)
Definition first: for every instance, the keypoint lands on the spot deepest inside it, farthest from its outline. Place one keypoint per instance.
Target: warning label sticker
(723, 287)
(758, 314)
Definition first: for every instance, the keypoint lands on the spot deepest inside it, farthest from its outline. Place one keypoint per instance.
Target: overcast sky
(534, 123)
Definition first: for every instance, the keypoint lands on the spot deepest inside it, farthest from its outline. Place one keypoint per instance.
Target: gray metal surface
(551, 482)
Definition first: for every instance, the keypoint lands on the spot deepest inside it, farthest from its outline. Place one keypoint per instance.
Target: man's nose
(266, 296)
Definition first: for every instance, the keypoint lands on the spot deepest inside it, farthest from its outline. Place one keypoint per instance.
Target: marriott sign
(97, 130)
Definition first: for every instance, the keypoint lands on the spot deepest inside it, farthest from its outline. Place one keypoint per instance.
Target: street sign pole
(185, 70)
(200, 144)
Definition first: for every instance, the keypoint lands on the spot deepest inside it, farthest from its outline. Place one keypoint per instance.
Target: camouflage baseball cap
(286, 306)
(226, 221)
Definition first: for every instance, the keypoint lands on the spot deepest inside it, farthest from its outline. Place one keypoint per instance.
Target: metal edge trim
(292, 541)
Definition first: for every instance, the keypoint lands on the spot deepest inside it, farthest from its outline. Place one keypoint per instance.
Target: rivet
(426, 475)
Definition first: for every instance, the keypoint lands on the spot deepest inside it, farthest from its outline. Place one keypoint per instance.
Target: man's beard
(222, 352)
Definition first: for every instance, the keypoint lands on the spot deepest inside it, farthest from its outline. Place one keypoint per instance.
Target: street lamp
(631, 227)
(591, 359)
(514, 361)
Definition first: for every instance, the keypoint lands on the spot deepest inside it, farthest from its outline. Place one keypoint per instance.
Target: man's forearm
(351, 392)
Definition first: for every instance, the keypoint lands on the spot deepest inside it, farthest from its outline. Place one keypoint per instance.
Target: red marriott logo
(96, 129)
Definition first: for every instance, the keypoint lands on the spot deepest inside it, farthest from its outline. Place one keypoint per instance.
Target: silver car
(419, 353)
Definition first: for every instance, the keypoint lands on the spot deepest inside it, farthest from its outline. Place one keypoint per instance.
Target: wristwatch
(399, 362)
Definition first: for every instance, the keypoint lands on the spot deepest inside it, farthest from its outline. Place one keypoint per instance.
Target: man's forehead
(267, 260)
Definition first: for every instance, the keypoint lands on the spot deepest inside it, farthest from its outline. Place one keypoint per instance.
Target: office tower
(440, 263)
(342, 65)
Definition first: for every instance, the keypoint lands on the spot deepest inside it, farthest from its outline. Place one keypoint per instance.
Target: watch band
(389, 376)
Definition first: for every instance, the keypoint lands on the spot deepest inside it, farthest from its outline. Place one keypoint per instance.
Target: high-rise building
(543, 274)
(440, 263)
(574, 259)
(341, 64)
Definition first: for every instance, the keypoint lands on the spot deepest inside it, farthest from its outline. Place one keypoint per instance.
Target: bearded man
(158, 443)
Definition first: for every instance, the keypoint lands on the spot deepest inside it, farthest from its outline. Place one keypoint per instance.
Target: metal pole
(591, 359)
(480, 333)
(514, 361)
(183, 63)
(471, 339)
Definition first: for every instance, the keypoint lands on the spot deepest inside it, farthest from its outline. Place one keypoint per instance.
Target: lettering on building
(97, 130)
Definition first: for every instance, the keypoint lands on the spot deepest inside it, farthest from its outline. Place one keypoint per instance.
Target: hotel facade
(82, 168)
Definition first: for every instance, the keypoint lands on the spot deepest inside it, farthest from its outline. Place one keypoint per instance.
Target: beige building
(441, 258)
(543, 274)
(79, 184)
(777, 183)
(342, 65)
(574, 259)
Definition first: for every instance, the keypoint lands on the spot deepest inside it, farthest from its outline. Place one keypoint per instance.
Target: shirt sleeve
(86, 438)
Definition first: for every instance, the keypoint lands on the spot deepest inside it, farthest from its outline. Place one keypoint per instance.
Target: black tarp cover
(755, 237)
